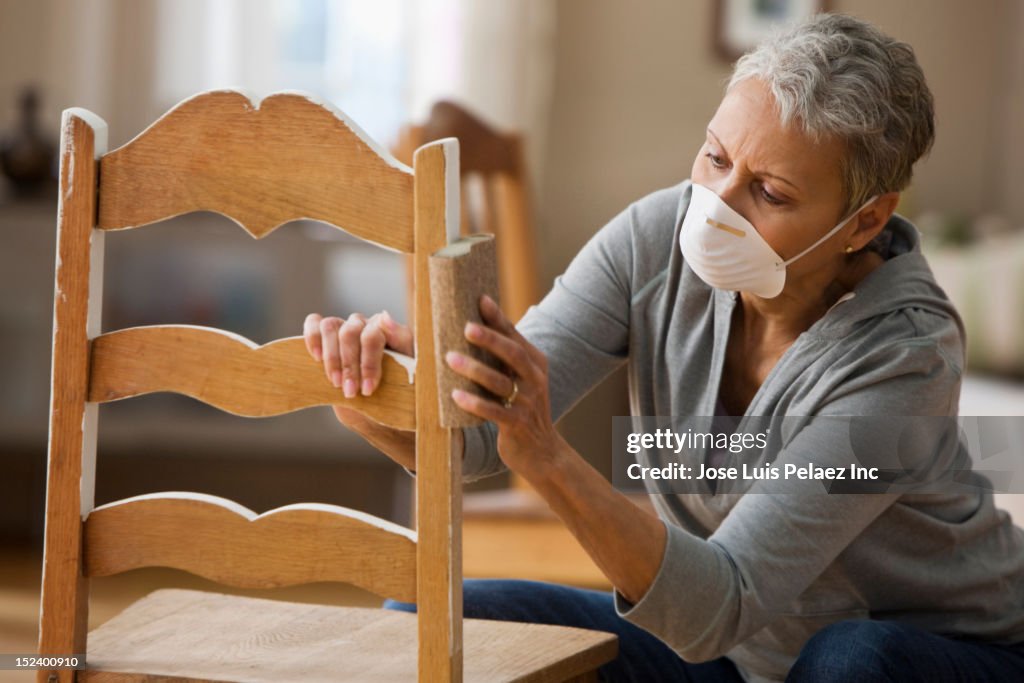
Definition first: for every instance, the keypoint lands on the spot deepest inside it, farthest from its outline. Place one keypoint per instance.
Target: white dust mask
(727, 252)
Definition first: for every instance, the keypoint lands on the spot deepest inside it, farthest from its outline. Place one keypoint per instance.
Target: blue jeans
(847, 651)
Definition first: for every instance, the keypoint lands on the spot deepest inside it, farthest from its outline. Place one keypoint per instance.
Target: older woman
(776, 281)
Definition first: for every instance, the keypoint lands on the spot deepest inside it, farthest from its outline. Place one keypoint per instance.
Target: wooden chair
(262, 164)
(509, 532)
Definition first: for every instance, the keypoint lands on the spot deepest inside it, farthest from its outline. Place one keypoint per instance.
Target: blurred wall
(94, 54)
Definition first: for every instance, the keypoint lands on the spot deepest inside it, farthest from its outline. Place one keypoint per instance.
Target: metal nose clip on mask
(727, 252)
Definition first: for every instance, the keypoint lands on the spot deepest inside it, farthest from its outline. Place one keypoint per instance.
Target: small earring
(849, 248)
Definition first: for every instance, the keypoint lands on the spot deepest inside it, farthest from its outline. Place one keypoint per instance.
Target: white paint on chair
(225, 503)
(246, 513)
(341, 511)
(407, 362)
(352, 125)
(98, 125)
(452, 188)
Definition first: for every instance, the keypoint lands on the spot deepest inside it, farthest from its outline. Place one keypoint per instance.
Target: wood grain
(220, 540)
(235, 375)
(438, 466)
(261, 164)
(69, 493)
(459, 274)
(182, 635)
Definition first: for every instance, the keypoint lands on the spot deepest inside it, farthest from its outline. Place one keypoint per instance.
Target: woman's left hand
(527, 440)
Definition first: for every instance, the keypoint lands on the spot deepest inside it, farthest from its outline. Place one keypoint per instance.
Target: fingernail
(472, 330)
(318, 355)
(458, 394)
(336, 379)
(454, 359)
(350, 388)
(367, 387)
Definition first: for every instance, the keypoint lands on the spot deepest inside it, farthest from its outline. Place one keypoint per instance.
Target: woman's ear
(872, 218)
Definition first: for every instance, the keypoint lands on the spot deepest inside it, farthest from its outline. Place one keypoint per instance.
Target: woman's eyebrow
(766, 174)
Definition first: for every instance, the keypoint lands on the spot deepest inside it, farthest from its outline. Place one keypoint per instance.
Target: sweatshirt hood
(904, 281)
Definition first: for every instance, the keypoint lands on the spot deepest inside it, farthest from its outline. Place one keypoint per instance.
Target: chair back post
(72, 442)
(438, 466)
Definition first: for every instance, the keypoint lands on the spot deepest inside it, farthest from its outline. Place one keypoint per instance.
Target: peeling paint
(407, 362)
(242, 511)
(69, 182)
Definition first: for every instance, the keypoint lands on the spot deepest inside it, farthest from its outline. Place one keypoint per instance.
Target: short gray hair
(840, 76)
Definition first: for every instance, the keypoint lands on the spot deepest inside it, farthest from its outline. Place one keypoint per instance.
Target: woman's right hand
(352, 351)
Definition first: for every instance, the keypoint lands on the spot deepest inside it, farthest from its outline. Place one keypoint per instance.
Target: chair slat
(261, 164)
(234, 374)
(218, 539)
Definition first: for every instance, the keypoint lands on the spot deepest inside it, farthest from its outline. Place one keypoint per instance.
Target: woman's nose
(733, 192)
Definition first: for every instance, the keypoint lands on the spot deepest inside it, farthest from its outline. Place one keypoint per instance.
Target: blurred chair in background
(510, 532)
(494, 196)
(262, 165)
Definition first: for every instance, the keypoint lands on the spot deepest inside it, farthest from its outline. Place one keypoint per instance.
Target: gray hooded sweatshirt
(752, 577)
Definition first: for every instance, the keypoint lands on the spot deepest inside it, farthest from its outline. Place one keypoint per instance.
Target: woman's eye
(716, 161)
(771, 199)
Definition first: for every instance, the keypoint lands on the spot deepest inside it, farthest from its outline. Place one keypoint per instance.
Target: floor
(19, 598)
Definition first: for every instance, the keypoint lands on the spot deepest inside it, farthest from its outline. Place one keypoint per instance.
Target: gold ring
(511, 398)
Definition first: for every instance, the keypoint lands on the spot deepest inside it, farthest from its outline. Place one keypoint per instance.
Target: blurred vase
(27, 157)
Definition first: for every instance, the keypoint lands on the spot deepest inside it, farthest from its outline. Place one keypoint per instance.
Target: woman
(794, 290)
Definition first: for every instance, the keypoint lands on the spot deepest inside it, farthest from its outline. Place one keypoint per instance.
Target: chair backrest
(261, 164)
(494, 196)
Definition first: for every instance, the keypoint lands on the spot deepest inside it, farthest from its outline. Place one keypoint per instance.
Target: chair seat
(187, 635)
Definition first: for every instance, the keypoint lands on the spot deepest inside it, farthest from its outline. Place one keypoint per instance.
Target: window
(355, 54)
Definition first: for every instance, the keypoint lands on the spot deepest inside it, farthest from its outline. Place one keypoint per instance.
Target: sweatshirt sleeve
(581, 325)
(710, 595)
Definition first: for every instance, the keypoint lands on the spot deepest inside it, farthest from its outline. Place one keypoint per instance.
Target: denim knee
(857, 650)
(400, 606)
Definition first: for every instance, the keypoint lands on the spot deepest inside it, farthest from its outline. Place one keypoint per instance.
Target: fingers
(493, 315)
(372, 341)
(513, 353)
(381, 331)
(495, 318)
(399, 337)
(329, 349)
(482, 407)
(352, 349)
(350, 346)
(311, 334)
(497, 383)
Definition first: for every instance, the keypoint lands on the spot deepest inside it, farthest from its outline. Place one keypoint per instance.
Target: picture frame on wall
(742, 24)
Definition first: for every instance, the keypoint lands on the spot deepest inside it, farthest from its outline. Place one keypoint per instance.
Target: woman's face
(787, 186)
